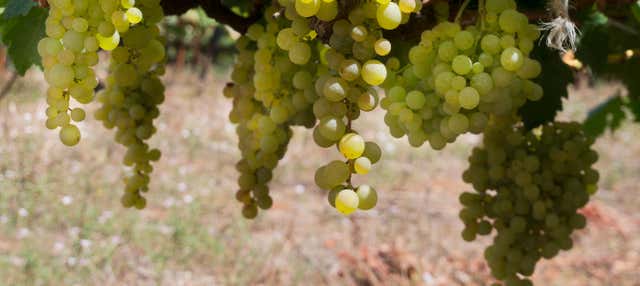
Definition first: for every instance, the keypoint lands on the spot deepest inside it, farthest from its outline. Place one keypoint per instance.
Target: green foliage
(16, 8)
(554, 79)
(608, 114)
(21, 35)
(602, 48)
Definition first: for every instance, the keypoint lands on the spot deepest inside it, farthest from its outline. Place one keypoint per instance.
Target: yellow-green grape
(407, 6)
(328, 10)
(335, 89)
(389, 15)
(382, 47)
(469, 98)
(462, 64)
(367, 101)
(77, 114)
(362, 165)
(372, 151)
(511, 59)
(347, 201)
(300, 53)
(134, 15)
(350, 70)
(307, 8)
(250, 211)
(70, 135)
(367, 197)
(60, 76)
(359, 33)
(108, 43)
(374, 72)
(351, 145)
(127, 3)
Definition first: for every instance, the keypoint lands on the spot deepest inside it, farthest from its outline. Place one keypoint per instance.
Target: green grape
(462, 65)
(415, 100)
(372, 151)
(328, 10)
(134, 15)
(335, 89)
(362, 165)
(70, 135)
(367, 197)
(464, 40)
(77, 114)
(331, 128)
(307, 8)
(359, 33)
(300, 53)
(374, 72)
(469, 98)
(350, 70)
(351, 145)
(512, 59)
(389, 15)
(347, 201)
(382, 47)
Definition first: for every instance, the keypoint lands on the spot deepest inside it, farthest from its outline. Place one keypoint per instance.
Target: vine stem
(461, 10)
(482, 10)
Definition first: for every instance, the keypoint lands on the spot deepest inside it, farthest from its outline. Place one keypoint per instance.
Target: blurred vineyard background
(61, 222)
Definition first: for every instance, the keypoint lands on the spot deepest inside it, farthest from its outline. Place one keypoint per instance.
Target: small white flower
(169, 202)
(23, 212)
(23, 232)
(116, 239)
(105, 216)
(74, 231)
(182, 187)
(66, 200)
(299, 189)
(187, 199)
(71, 261)
(85, 243)
(18, 261)
(58, 246)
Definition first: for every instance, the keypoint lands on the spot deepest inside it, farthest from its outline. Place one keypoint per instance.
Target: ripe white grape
(347, 201)
(374, 72)
(351, 145)
(389, 15)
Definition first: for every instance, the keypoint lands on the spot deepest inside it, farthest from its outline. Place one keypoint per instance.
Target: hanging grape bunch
(529, 186)
(75, 31)
(458, 78)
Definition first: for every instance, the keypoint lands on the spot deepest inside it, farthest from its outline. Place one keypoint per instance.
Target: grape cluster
(69, 51)
(272, 90)
(528, 187)
(458, 77)
(76, 31)
(336, 175)
(351, 70)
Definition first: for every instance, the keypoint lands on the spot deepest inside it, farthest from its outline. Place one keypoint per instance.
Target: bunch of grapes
(351, 70)
(132, 95)
(458, 77)
(336, 176)
(272, 90)
(529, 186)
(69, 51)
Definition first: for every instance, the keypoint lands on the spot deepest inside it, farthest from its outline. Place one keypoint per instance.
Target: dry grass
(61, 222)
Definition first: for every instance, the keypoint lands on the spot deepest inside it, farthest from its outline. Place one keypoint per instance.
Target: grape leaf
(21, 36)
(635, 9)
(608, 114)
(15, 8)
(554, 79)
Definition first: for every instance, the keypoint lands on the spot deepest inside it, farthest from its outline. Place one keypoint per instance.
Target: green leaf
(554, 79)
(17, 8)
(608, 114)
(21, 36)
(635, 9)
(593, 48)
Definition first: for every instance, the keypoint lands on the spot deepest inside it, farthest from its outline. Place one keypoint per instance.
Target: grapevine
(320, 64)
